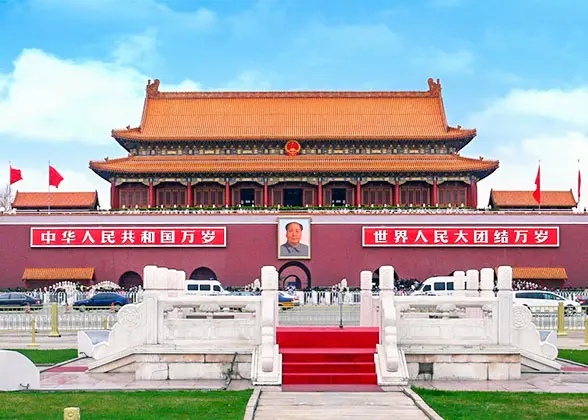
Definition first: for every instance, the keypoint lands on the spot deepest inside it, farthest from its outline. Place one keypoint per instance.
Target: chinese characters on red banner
(451, 236)
(127, 237)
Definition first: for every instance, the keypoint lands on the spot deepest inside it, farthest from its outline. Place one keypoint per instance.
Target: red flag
(15, 175)
(537, 192)
(55, 177)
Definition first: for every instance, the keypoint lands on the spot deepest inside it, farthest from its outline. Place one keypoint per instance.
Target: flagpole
(9, 184)
(579, 186)
(49, 189)
(539, 186)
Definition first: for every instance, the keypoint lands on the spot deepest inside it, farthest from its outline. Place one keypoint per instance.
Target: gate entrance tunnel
(294, 273)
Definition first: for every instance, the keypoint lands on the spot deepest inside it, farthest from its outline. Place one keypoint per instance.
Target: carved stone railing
(168, 318)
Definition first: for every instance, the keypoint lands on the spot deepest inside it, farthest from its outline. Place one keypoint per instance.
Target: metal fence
(62, 298)
(20, 320)
(545, 318)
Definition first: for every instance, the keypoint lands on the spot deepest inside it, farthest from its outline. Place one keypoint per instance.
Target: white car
(205, 287)
(538, 300)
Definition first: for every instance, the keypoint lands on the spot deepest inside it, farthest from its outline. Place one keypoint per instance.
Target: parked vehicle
(205, 287)
(102, 300)
(286, 300)
(435, 286)
(18, 300)
(583, 301)
(535, 299)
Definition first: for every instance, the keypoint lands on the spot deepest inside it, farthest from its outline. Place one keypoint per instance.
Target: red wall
(252, 242)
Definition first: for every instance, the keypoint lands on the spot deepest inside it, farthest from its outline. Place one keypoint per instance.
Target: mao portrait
(294, 238)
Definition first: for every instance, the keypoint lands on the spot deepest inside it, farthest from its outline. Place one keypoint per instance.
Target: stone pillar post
(505, 305)
(487, 283)
(397, 193)
(151, 194)
(473, 283)
(366, 308)
(269, 309)
(459, 280)
(388, 332)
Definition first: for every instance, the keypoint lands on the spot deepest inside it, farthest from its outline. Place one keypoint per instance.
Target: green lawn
(580, 356)
(456, 405)
(200, 405)
(48, 357)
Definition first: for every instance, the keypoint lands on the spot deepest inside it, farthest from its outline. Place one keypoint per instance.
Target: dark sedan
(102, 300)
(18, 300)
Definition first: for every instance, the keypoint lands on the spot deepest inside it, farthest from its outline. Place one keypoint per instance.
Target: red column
(151, 194)
(358, 193)
(435, 193)
(397, 193)
(474, 190)
(114, 202)
(320, 193)
(227, 195)
(189, 200)
(265, 195)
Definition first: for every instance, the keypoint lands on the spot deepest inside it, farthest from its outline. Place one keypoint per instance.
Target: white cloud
(526, 126)
(138, 48)
(51, 99)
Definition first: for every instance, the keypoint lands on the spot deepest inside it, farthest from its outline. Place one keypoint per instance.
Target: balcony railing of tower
(303, 210)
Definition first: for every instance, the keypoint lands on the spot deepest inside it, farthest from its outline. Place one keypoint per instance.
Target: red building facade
(337, 243)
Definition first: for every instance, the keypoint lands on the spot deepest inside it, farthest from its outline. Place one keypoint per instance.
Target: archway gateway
(296, 272)
(203, 273)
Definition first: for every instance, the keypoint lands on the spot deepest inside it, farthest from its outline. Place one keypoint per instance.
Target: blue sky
(71, 70)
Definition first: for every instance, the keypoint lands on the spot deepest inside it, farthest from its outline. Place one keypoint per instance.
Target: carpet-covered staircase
(328, 355)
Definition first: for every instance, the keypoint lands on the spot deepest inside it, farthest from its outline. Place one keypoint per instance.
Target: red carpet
(328, 357)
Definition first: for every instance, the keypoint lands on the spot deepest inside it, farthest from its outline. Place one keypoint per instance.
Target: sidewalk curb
(421, 404)
(252, 404)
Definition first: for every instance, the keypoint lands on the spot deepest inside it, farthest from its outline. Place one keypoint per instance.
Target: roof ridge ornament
(434, 87)
(152, 88)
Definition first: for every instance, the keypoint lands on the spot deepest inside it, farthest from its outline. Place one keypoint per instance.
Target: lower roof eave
(108, 176)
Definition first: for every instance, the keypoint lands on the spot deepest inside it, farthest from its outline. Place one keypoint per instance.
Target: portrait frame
(305, 239)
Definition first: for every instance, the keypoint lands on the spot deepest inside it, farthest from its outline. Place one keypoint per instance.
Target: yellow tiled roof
(33, 200)
(293, 115)
(58, 274)
(293, 164)
(504, 199)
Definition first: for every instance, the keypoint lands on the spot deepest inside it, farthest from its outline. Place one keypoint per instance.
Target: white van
(435, 286)
(205, 287)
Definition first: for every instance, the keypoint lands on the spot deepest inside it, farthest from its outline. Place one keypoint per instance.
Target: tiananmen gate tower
(322, 185)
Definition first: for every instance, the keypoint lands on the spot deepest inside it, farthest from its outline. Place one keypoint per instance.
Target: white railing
(545, 318)
(67, 321)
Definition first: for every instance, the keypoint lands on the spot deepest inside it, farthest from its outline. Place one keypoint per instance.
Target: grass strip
(123, 405)
(457, 405)
(580, 356)
(48, 357)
